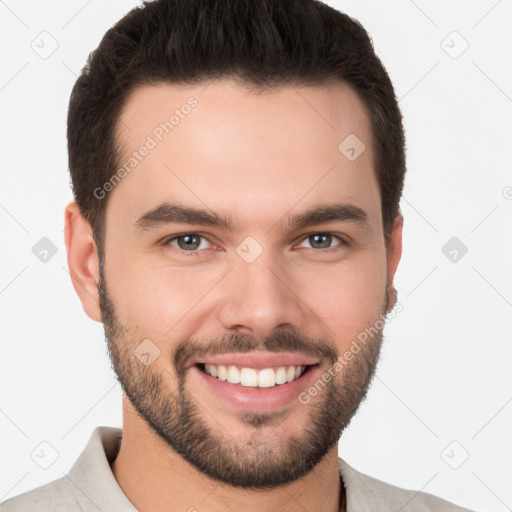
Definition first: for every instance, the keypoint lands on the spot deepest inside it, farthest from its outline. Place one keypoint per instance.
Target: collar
(95, 487)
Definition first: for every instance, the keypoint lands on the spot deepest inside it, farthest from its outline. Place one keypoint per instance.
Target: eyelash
(196, 252)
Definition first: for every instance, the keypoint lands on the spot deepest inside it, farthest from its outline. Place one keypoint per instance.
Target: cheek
(163, 303)
(348, 298)
(160, 301)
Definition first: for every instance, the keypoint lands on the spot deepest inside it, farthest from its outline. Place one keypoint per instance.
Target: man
(237, 168)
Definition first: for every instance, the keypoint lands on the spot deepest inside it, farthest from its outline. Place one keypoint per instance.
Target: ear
(394, 253)
(82, 259)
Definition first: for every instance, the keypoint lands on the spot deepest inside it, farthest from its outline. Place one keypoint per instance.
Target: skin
(256, 158)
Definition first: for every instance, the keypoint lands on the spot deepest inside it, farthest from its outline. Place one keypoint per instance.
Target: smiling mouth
(252, 377)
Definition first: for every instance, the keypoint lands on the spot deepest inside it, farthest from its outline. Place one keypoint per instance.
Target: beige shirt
(90, 486)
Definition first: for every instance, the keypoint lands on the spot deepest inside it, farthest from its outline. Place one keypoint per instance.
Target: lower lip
(258, 399)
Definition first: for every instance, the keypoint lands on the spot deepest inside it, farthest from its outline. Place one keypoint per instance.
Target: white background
(444, 375)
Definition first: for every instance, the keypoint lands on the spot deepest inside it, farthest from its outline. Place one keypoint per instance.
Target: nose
(259, 298)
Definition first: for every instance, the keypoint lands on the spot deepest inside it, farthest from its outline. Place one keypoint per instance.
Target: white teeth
(281, 375)
(233, 375)
(250, 377)
(267, 378)
(222, 372)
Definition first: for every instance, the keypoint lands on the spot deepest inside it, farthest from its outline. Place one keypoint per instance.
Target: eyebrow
(168, 213)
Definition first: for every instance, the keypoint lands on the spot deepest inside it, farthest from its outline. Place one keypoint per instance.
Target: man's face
(253, 296)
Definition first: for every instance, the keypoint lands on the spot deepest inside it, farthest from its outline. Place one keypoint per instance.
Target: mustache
(320, 348)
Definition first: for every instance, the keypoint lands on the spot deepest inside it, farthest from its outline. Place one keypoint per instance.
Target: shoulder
(88, 485)
(55, 496)
(367, 493)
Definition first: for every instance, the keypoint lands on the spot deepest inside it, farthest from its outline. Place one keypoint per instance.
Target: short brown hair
(262, 43)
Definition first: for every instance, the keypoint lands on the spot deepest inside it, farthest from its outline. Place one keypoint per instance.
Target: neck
(155, 478)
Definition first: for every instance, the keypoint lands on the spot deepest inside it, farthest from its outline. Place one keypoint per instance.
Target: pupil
(189, 242)
(325, 243)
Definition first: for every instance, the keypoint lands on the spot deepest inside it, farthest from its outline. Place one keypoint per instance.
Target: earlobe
(83, 263)
(394, 253)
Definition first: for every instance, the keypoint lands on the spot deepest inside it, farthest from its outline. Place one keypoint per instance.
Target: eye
(322, 241)
(189, 242)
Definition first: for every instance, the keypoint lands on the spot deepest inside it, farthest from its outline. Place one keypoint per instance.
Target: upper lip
(258, 360)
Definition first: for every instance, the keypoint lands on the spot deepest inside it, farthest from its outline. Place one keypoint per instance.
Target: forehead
(233, 149)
